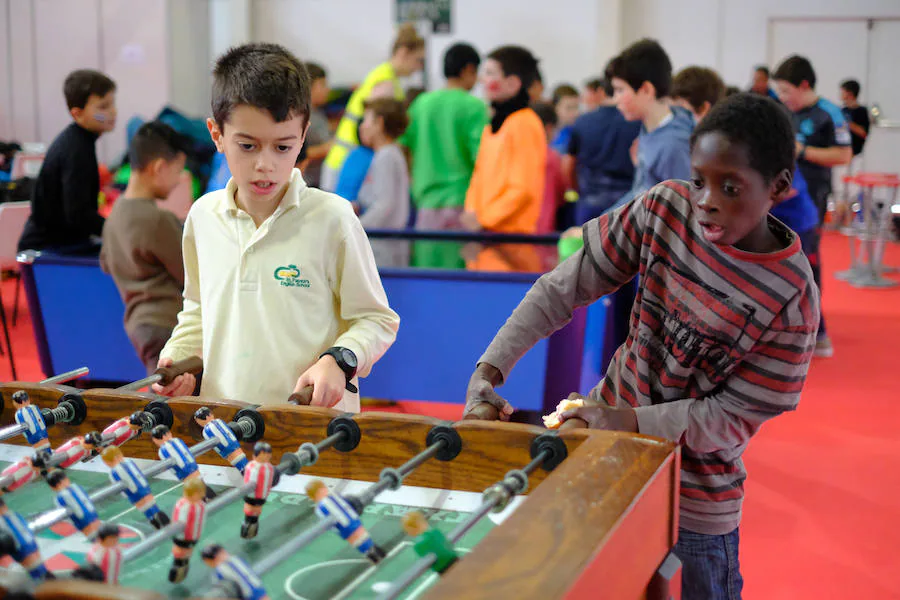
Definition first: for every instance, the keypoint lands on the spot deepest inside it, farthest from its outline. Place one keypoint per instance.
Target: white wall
(573, 38)
(731, 35)
(44, 40)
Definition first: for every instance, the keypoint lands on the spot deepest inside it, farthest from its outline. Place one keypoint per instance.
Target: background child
(281, 291)
(642, 78)
(384, 196)
(64, 205)
(856, 115)
(566, 103)
(597, 161)
(594, 94)
(444, 132)
(142, 242)
(407, 57)
(555, 183)
(697, 89)
(722, 332)
(823, 141)
(318, 138)
(506, 190)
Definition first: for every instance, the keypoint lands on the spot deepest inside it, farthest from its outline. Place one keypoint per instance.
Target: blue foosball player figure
(348, 525)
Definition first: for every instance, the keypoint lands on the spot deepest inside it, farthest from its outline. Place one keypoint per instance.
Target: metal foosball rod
(165, 375)
(71, 409)
(443, 443)
(547, 451)
(343, 434)
(66, 377)
(247, 422)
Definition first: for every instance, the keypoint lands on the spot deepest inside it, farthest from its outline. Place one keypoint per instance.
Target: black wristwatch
(346, 360)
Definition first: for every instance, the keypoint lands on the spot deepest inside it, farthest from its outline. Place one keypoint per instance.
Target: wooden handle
(483, 412)
(192, 365)
(303, 397)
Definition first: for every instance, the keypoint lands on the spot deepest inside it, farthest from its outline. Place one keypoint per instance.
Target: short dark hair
(80, 85)
(264, 76)
(852, 86)
(159, 432)
(731, 90)
(316, 71)
(762, 69)
(210, 551)
(518, 61)
(137, 418)
(644, 60)
(202, 413)
(458, 57)
(155, 140)
(563, 90)
(600, 83)
(760, 124)
(94, 438)
(393, 112)
(20, 397)
(107, 530)
(262, 447)
(698, 85)
(795, 70)
(546, 112)
(54, 478)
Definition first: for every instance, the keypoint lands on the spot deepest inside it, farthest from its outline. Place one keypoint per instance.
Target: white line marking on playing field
(342, 561)
(162, 493)
(430, 579)
(349, 589)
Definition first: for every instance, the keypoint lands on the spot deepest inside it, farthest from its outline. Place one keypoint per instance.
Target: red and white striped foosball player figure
(262, 474)
(190, 510)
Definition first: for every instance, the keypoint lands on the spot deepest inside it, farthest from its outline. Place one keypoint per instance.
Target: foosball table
(512, 510)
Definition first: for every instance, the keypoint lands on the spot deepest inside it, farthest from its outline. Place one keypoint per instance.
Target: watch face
(348, 357)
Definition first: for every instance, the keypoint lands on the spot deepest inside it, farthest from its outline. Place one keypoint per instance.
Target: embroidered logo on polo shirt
(289, 276)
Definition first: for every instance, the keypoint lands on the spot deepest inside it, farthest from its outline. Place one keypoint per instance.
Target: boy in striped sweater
(722, 330)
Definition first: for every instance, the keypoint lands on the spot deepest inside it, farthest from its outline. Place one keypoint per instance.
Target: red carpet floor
(822, 515)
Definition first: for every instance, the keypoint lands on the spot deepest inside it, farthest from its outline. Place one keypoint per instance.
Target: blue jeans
(710, 567)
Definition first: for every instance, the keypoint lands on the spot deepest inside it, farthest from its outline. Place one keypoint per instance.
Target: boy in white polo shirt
(281, 291)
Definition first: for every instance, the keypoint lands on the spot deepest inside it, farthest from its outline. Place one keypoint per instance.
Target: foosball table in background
(599, 519)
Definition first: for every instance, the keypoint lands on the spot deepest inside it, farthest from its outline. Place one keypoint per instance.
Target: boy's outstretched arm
(610, 258)
(372, 325)
(766, 383)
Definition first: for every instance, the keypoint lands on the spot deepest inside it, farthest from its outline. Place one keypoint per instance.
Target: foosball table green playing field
(522, 512)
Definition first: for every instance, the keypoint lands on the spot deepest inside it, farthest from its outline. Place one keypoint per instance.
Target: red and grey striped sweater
(720, 339)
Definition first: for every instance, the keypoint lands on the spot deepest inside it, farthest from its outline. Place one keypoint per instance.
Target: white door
(882, 150)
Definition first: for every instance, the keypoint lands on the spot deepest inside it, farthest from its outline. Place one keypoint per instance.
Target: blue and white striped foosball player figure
(185, 464)
(17, 540)
(137, 488)
(348, 524)
(261, 473)
(30, 418)
(234, 570)
(228, 447)
(190, 510)
(105, 555)
(72, 497)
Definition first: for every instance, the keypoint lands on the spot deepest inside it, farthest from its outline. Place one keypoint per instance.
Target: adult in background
(407, 57)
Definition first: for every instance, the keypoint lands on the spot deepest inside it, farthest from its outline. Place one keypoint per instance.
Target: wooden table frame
(600, 525)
